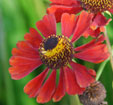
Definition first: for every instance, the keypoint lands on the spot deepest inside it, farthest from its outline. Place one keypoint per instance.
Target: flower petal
(92, 73)
(25, 46)
(91, 44)
(95, 54)
(33, 38)
(58, 10)
(25, 49)
(68, 23)
(33, 87)
(82, 75)
(72, 86)
(22, 66)
(47, 25)
(84, 21)
(93, 33)
(111, 10)
(19, 61)
(60, 90)
(48, 89)
(101, 20)
(64, 2)
(26, 54)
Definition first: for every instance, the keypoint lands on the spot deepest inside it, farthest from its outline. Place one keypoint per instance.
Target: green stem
(75, 100)
(101, 68)
(109, 48)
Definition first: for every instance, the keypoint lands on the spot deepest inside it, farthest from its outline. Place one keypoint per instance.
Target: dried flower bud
(94, 94)
(104, 103)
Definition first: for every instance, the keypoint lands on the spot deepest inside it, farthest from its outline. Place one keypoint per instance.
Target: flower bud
(94, 95)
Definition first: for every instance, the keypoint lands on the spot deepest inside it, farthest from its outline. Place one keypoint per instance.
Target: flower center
(93, 95)
(96, 6)
(56, 51)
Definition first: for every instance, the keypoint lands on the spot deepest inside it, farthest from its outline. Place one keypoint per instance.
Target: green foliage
(16, 17)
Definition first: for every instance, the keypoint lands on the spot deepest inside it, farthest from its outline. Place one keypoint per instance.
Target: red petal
(100, 20)
(33, 87)
(91, 44)
(82, 75)
(25, 50)
(111, 10)
(60, 90)
(84, 21)
(33, 38)
(48, 89)
(27, 54)
(72, 86)
(96, 54)
(93, 33)
(25, 46)
(22, 66)
(65, 2)
(68, 23)
(92, 72)
(47, 25)
(58, 10)
(19, 61)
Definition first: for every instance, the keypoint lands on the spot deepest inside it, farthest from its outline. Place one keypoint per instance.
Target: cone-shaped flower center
(94, 94)
(96, 6)
(56, 51)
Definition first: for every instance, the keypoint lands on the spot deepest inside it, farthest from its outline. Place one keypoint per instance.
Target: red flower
(57, 52)
(97, 26)
(58, 7)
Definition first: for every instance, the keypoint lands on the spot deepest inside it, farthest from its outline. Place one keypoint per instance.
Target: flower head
(94, 94)
(58, 7)
(96, 6)
(57, 52)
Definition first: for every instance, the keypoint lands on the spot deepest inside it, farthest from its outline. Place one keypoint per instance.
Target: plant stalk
(109, 48)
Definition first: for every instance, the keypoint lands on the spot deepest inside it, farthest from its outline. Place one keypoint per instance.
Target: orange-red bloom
(57, 52)
(75, 6)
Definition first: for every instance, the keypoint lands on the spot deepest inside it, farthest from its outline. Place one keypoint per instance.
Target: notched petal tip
(83, 77)
(33, 87)
(83, 23)
(60, 90)
(47, 26)
(58, 10)
(22, 66)
(96, 54)
(72, 86)
(68, 23)
(48, 89)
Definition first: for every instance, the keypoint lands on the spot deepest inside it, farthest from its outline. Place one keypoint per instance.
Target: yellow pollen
(96, 6)
(58, 56)
(60, 46)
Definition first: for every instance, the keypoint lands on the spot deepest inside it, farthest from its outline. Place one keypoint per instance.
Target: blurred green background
(16, 17)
